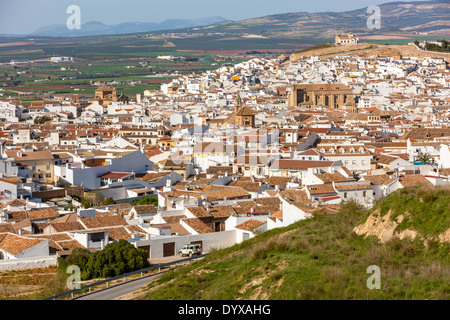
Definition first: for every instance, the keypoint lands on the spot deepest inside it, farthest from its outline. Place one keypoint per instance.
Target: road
(120, 289)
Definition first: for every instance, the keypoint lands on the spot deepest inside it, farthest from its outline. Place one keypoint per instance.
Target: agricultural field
(132, 72)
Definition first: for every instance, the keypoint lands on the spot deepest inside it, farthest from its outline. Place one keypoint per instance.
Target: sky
(26, 16)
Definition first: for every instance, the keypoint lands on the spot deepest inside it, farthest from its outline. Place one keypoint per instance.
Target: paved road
(121, 289)
(130, 286)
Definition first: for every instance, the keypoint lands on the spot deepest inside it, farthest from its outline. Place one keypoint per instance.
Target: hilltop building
(348, 38)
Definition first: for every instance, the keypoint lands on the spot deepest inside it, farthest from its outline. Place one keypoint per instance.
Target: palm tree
(425, 158)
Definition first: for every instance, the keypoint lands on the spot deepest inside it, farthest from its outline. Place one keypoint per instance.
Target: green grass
(428, 209)
(319, 258)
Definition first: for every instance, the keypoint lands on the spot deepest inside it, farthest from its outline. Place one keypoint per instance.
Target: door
(168, 249)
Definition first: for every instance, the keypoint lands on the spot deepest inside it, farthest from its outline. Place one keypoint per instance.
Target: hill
(411, 213)
(318, 258)
(396, 17)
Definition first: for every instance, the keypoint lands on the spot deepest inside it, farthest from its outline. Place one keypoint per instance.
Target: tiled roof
(326, 188)
(221, 211)
(115, 175)
(7, 228)
(249, 186)
(329, 177)
(295, 196)
(144, 209)
(101, 222)
(12, 180)
(360, 185)
(29, 156)
(298, 164)
(414, 181)
(17, 215)
(67, 226)
(15, 244)
(199, 212)
(45, 213)
(198, 225)
(377, 179)
(250, 224)
(173, 219)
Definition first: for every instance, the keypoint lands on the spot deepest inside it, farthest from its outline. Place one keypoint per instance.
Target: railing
(123, 276)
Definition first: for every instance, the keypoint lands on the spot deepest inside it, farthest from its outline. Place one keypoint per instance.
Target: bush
(116, 258)
(145, 201)
(108, 201)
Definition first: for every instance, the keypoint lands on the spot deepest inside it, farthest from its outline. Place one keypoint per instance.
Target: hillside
(397, 17)
(319, 258)
(411, 213)
(330, 50)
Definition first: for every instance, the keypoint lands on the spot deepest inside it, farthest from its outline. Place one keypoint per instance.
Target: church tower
(237, 103)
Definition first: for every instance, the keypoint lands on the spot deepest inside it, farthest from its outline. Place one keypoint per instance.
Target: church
(348, 38)
(104, 95)
(311, 96)
(242, 115)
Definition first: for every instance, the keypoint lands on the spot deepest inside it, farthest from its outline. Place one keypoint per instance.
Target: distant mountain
(94, 28)
(398, 17)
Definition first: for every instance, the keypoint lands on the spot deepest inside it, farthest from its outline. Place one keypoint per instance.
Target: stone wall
(28, 263)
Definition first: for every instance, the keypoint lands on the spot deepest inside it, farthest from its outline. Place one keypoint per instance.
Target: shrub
(116, 258)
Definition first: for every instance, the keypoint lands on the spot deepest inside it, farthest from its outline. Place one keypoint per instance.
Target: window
(354, 162)
(345, 195)
(364, 193)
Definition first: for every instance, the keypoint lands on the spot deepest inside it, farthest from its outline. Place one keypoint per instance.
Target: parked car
(190, 250)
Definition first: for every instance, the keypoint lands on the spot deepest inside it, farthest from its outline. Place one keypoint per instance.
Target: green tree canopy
(116, 258)
(145, 201)
(108, 201)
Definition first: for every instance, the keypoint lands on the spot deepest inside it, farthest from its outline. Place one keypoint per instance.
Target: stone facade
(327, 95)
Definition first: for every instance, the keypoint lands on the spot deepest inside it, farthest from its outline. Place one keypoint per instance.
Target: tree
(424, 158)
(145, 201)
(95, 198)
(41, 120)
(116, 258)
(108, 201)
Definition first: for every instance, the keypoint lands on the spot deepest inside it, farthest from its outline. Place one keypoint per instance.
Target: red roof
(330, 198)
(116, 175)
